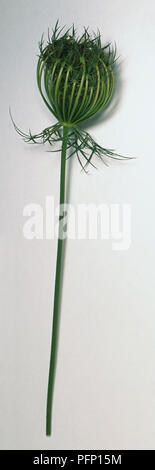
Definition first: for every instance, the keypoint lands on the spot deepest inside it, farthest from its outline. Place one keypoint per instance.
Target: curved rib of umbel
(73, 101)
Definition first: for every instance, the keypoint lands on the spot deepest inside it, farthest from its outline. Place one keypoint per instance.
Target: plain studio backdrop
(105, 381)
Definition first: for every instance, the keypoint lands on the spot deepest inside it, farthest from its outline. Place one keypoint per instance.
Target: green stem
(55, 325)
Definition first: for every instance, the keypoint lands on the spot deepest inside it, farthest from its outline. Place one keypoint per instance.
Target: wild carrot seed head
(75, 75)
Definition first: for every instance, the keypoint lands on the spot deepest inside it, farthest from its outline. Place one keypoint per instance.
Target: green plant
(76, 78)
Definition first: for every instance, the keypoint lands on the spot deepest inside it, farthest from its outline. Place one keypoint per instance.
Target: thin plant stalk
(54, 342)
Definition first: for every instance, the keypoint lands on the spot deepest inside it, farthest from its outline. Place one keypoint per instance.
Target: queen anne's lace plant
(76, 78)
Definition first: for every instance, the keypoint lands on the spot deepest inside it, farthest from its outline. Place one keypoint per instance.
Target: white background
(105, 381)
